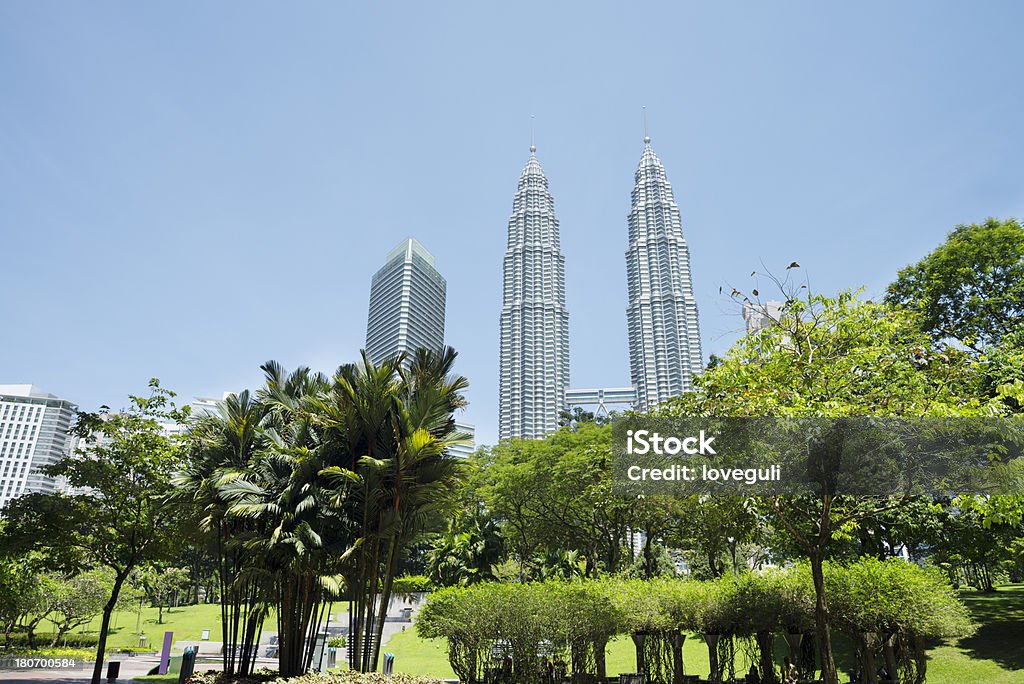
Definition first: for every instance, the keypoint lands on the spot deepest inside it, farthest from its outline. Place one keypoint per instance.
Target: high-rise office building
(534, 320)
(760, 315)
(465, 450)
(35, 431)
(664, 337)
(407, 297)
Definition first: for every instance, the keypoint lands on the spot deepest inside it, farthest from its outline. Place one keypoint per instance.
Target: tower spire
(647, 138)
(533, 135)
(534, 320)
(664, 334)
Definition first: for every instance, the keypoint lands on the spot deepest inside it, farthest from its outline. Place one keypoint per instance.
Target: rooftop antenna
(647, 138)
(533, 136)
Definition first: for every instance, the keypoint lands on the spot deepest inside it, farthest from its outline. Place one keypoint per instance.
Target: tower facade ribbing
(534, 319)
(664, 335)
(407, 301)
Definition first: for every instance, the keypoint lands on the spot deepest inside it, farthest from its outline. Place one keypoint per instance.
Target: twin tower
(664, 337)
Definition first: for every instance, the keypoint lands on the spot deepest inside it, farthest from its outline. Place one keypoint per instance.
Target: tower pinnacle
(534, 320)
(664, 336)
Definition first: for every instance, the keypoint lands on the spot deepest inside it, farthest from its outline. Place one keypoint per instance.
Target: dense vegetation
(316, 490)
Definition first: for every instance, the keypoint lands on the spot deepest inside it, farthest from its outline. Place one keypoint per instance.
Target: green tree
(970, 288)
(121, 516)
(222, 447)
(389, 429)
(834, 357)
(291, 519)
(893, 607)
(162, 583)
(79, 599)
(556, 494)
(18, 581)
(467, 551)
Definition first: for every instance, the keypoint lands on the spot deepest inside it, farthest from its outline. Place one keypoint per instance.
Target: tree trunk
(793, 640)
(765, 644)
(648, 557)
(867, 659)
(716, 672)
(824, 632)
(678, 639)
(890, 657)
(108, 610)
(56, 637)
(385, 599)
(639, 641)
(920, 658)
(600, 663)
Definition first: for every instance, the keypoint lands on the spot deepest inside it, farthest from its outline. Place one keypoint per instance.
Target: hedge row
(888, 608)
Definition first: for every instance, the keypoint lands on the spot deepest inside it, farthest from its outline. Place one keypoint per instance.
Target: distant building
(407, 300)
(599, 399)
(664, 335)
(465, 450)
(534, 319)
(758, 316)
(35, 431)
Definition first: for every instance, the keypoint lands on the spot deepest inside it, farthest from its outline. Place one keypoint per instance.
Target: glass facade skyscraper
(407, 299)
(534, 320)
(664, 336)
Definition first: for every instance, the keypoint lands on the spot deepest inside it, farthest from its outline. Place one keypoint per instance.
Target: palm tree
(466, 552)
(315, 488)
(392, 426)
(283, 494)
(223, 447)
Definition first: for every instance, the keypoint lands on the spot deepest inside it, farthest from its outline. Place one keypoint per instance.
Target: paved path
(130, 667)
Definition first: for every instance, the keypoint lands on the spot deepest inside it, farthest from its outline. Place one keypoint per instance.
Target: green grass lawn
(187, 623)
(995, 654)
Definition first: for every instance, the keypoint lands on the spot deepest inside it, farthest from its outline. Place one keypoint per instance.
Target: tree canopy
(970, 288)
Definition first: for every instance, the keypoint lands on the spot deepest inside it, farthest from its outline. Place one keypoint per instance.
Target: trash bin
(188, 664)
(389, 664)
(113, 670)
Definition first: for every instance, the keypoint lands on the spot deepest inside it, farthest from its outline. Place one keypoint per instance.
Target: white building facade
(534, 318)
(664, 335)
(407, 302)
(35, 431)
(465, 450)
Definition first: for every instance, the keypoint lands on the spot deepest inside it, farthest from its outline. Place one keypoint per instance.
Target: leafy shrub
(412, 584)
(72, 653)
(80, 641)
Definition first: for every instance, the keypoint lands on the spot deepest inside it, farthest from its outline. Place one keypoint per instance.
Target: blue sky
(190, 189)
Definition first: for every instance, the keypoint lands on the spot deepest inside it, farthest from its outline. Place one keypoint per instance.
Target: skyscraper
(664, 337)
(407, 297)
(534, 320)
(34, 432)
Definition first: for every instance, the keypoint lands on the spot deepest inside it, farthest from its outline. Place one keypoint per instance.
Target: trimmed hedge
(888, 607)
